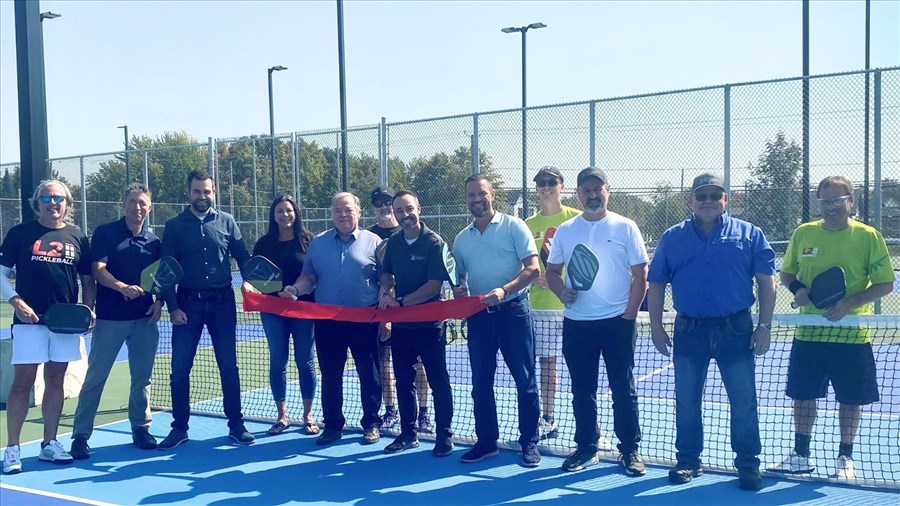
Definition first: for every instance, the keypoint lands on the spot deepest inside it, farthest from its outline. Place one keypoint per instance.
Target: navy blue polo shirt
(712, 276)
(125, 255)
(415, 264)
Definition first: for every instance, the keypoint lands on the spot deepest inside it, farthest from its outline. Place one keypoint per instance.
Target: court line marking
(54, 495)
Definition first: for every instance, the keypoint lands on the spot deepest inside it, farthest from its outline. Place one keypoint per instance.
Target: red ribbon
(431, 311)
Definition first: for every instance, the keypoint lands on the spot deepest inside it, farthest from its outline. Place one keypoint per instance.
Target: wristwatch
(399, 301)
(765, 325)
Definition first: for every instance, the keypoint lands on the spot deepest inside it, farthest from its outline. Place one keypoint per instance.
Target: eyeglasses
(46, 199)
(836, 201)
(382, 203)
(703, 197)
(544, 183)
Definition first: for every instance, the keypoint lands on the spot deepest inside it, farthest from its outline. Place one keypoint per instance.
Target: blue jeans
(584, 342)
(220, 318)
(511, 331)
(728, 342)
(279, 332)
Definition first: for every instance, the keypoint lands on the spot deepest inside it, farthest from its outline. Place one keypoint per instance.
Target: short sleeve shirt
(859, 249)
(491, 259)
(286, 255)
(125, 255)
(539, 225)
(617, 242)
(344, 269)
(415, 264)
(48, 262)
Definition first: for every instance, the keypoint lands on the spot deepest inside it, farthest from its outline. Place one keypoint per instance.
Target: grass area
(113, 408)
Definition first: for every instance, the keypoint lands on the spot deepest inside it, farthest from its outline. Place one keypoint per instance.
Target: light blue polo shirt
(344, 270)
(494, 258)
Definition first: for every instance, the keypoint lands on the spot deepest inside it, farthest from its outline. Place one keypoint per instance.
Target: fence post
(592, 158)
(295, 154)
(83, 198)
(476, 154)
(876, 172)
(382, 152)
(255, 192)
(147, 183)
(211, 151)
(727, 139)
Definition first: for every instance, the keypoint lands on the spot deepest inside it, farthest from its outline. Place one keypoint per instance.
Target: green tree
(772, 201)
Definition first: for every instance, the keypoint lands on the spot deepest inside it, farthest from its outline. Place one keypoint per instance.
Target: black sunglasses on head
(552, 183)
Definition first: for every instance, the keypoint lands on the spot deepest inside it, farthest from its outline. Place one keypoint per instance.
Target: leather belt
(508, 304)
(721, 320)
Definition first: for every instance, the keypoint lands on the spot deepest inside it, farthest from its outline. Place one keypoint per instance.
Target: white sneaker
(795, 464)
(844, 468)
(54, 452)
(11, 462)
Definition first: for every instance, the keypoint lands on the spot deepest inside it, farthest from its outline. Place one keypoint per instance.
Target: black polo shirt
(415, 264)
(125, 255)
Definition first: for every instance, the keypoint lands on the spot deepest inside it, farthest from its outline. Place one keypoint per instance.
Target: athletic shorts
(35, 344)
(547, 335)
(850, 368)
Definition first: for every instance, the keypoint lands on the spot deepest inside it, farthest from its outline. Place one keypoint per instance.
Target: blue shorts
(849, 367)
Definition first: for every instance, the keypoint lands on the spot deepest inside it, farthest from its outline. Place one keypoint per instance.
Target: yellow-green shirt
(544, 298)
(859, 249)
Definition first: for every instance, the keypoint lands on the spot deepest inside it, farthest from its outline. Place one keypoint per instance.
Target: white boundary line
(56, 496)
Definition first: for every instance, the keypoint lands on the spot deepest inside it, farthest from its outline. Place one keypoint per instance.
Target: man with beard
(201, 239)
(120, 250)
(497, 257)
(841, 356)
(340, 267)
(385, 226)
(600, 322)
(413, 273)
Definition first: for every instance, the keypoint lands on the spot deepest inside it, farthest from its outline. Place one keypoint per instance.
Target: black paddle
(68, 319)
(827, 288)
(263, 275)
(161, 275)
(546, 244)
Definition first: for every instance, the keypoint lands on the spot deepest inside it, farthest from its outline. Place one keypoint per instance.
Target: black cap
(382, 191)
(707, 179)
(592, 172)
(548, 170)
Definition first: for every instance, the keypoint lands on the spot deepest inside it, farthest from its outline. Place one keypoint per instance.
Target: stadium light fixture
(50, 15)
(524, 30)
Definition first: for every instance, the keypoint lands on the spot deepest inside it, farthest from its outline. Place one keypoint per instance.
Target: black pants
(407, 344)
(332, 341)
(584, 342)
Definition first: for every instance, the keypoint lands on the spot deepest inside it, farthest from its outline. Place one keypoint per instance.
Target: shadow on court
(291, 469)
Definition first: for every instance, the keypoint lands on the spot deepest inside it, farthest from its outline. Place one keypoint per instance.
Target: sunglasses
(703, 197)
(544, 183)
(382, 203)
(46, 199)
(837, 201)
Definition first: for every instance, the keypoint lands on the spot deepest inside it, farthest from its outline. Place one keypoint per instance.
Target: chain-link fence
(651, 146)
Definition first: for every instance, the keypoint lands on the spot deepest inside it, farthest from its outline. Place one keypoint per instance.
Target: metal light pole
(272, 121)
(524, 30)
(342, 90)
(127, 161)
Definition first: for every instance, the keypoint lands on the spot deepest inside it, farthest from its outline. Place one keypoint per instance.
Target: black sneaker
(478, 453)
(749, 478)
(633, 464)
(403, 442)
(175, 438)
(443, 446)
(683, 473)
(530, 455)
(239, 435)
(141, 438)
(579, 460)
(329, 436)
(80, 449)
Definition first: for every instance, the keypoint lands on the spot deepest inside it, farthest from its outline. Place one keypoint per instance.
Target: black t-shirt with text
(48, 262)
(287, 256)
(382, 232)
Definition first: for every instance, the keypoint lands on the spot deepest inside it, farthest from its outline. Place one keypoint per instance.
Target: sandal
(276, 428)
(312, 428)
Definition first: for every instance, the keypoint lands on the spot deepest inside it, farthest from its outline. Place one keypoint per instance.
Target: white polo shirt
(617, 242)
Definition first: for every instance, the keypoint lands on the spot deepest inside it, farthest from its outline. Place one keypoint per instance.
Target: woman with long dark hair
(285, 245)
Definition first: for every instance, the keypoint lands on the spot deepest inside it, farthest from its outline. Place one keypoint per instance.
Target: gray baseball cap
(707, 179)
(592, 172)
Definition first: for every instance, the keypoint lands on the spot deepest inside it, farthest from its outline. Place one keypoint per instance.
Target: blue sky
(201, 66)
